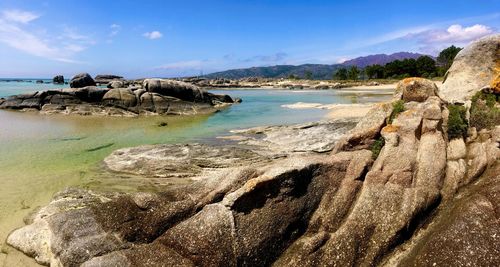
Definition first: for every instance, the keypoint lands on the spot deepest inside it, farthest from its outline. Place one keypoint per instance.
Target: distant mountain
(319, 71)
(380, 59)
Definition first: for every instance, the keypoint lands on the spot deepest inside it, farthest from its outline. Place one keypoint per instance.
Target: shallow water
(40, 155)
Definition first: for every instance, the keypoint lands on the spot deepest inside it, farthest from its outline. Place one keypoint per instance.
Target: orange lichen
(390, 129)
(495, 82)
(411, 79)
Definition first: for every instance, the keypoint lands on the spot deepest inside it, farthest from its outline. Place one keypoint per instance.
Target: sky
(150, 38)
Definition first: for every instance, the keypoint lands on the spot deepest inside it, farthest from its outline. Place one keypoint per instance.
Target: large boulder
(81, 80)
(475, 67)
(91, 94)
(181, 90)
(116, 84)
(59, 79)
(416, 89)
(121, 97)
(30, 100)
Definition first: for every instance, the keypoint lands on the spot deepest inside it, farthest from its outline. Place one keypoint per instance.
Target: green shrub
(484, 113)
(397, 107)
(377, 147)
(457, 123)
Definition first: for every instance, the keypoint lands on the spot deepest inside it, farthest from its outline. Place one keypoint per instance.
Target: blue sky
(177, 38)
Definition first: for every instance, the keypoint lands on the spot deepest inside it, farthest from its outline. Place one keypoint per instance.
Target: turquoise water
(40, 155)
(20, 86)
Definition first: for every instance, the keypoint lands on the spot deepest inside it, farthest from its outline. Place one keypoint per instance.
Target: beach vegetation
(457, 122)
(485, 110)
(377, 146)
(397, 108)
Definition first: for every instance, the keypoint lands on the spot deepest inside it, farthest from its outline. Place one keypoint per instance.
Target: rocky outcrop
(475, 67)
(177, 98)
(416, 89)
(81, 80)
(59, 79)
(107, 78)
(181, 90)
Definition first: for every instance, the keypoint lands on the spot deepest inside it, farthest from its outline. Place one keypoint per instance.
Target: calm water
(40, 155)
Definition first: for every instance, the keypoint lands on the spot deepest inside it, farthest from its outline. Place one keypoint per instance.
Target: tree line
(423, 66)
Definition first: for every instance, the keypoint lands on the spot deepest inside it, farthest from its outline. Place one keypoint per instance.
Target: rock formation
(59, 79)
(169, 97)
(107, 78)
(423, 199)
(476, 66)
(81, 80)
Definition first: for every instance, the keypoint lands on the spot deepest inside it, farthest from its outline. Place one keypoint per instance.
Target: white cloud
(153, 35)
(341, 60)
(74, 48)
(115, 29)
(454, 34)
(15, 32)
(22, 40)
(434, 40)
(19, 16)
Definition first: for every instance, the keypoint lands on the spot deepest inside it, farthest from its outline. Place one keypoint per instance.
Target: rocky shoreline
(273, 83)
(413, 183)
(121, 98)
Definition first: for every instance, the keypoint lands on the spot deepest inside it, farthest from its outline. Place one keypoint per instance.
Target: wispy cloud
(437, 27)
(433, 41)
(455, 33)
(115, 29)
(20, 16)
(14, 32)
(153, 35)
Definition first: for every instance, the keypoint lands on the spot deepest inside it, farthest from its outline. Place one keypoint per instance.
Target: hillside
(380, 59)
(319, 71)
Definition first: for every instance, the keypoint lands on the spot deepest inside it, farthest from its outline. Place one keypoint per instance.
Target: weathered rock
(308, 137)
(30, 100)
(416, 89)
(90, 94)
(116, 84)
(157, 103)
(366, 130)
(81, 80)
(455, 177)
(477, 160)
(59, 79)
(107, 78)
(465, 233)
(456, 149)
(190, 161)
(495, 134)
(475, 67)
(121, 97)
(183, 91)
